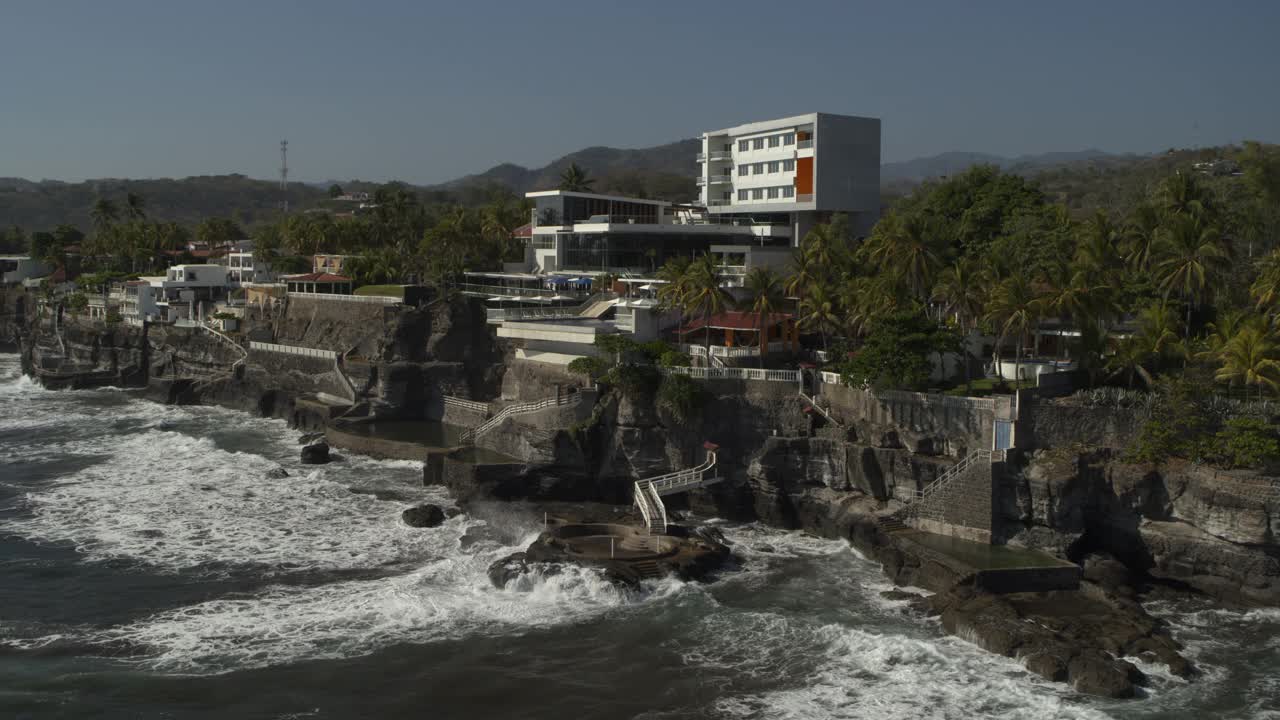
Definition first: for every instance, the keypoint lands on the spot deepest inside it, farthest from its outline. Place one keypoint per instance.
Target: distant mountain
(951, 163)
(607, 165)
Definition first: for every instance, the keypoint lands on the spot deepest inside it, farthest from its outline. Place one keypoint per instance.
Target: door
(1004, 434)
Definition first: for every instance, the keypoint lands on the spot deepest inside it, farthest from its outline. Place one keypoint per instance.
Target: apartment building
(794, 171)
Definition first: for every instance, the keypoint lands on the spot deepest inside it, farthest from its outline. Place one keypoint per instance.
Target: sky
(425, 92)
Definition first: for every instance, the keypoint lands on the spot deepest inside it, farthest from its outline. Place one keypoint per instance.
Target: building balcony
(804, 144)
(715, 155)
(719, 201)
(805, 197)
(715, 180)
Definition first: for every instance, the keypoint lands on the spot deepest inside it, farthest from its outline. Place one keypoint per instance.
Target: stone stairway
(648, 569)
(892, 523)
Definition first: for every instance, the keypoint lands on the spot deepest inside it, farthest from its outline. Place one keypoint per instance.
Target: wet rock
(315, 454)
(1095, 673)
(423, 516)
(507, 569)
(277, 473)
(712, 535)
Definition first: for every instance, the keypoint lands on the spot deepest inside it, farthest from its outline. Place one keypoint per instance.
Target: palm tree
(574, 179)
(803, 272)
(820, 310)
(135, 206)
(1191, 257)
(764, 297)
(903, 247)
(1266, 288)
(1251, 356)
(959, 292)
(701, 293)
(1182, 194)
(671, 292)
(1129, 359)
(1140, 235)
(1158, 330)
(1013, 309)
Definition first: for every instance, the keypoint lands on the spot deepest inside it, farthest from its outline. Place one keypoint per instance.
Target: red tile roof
(524, 231)
(736, 320)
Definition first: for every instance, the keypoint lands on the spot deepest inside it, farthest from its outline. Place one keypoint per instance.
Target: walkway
(648, 493)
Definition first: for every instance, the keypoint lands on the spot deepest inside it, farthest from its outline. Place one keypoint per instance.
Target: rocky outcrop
(1214, 530)
(315, 454)
(425, 515)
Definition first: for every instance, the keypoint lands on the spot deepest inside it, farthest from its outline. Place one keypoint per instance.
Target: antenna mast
(284, 175)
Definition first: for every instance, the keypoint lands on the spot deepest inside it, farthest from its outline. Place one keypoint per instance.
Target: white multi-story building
(795, 170)
(242, 268)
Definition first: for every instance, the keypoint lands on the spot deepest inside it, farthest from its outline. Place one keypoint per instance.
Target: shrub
(1245, 443)
(682, 396)
(590, 366)
(674, 358)
(899, 353)
(634, 380)
(77, 301)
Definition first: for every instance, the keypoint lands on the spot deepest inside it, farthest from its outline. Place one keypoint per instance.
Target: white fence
(520, 409)
(735, 374)
(294, 350)
(731, 352)
(471, 405)
(373, 299)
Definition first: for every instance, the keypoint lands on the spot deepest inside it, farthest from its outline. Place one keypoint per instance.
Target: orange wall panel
(804, 176)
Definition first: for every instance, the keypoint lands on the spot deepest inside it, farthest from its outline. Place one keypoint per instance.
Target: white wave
(862, 674)
(444, 599)
(176, 502)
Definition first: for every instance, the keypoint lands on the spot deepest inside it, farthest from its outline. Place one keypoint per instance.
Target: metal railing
(470, 435)
(752, 350)
(954, 472)
(804, 144)
(648, 493)
(548, 312)
(735, 374)
(515, 292)
(293, 350)
(714, 155)
(813, 403)
(372, 299)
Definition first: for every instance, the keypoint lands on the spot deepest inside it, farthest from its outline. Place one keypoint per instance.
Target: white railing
(829, 377)
(372, 299)
(648, 493)
(519, 409)
(471, 405)
(813, 403)
(244, 354)
(293, 350)
(735, 374)
(731, 352)
(547, 312)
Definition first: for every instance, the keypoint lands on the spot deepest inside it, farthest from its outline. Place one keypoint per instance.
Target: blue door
(1004, 434)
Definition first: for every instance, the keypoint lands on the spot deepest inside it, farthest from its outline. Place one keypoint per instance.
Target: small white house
(185, 289)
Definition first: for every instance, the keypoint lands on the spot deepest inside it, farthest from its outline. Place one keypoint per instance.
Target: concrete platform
(993, 568)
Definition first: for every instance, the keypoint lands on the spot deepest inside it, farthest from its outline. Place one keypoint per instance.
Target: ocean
(150, 569)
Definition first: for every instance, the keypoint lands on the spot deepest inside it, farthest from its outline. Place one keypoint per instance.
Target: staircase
(470, 435)
(648, 493)
(925, 502)
(813, 403)
(647, 569)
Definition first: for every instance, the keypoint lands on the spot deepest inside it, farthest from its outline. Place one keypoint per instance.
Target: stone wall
(297, 374)
(1048, 423)
(925, 423)
(525, 380)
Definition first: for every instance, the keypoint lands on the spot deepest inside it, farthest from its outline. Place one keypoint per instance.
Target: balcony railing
(804, 144)
(715, 155)
(715, 180)
(719, 201)
(804, 197)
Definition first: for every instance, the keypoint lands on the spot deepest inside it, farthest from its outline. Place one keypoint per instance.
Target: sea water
(150, 569)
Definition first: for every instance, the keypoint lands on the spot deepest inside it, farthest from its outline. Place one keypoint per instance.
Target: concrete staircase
(950, 494)
(648, 569)
(520, 409)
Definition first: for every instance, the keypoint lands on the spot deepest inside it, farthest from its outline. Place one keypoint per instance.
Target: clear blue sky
(425, 91)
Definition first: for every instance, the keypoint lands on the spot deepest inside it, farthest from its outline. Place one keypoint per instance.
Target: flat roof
(592, 196)
(766, 125)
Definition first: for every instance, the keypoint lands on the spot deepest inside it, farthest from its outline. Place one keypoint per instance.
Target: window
(773, 193)
(742, 195)
(757, 194)
(788, 191)
(728, 147)
(789, 139)
(757, 144)
(788, 165)
(743, 169)
(774, 140)
(742, 145)
(759, 168)
(728, 196)
(773, 166)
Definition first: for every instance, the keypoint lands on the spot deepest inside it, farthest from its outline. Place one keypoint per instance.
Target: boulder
(423, 516)
(277, 473)
(315, 454)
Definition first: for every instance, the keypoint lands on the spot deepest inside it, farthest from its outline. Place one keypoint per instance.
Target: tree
(701, 293)
(1014, 309)
(335, 190)
(574, 179)
(820, 311)
(902, 246)
(1140, 235)
(135, 206)
(1252, 358)
(897, 352)
(1265, 290)
(217, 232)
(764, 297)
(1190, 259)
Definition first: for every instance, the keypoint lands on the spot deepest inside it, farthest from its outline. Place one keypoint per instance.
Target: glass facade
(643, 252)
(570, 209)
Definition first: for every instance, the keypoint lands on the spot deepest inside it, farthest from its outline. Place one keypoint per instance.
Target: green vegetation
(682, 397)
(899, 352)
(395, 291)
(77, 301)
(1184, 423)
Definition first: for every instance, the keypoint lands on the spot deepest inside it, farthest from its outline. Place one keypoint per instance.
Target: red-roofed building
(741, 329)
(318, 282)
